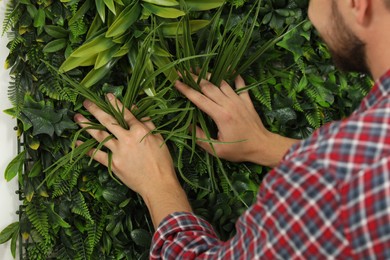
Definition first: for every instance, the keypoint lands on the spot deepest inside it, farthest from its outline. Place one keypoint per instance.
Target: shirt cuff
(182, 232)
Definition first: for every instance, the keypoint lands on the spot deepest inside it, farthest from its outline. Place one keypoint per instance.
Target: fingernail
(77, 117)
(87, 103)
(110, 96)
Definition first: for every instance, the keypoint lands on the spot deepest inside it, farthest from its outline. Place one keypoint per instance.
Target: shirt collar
(380, 89)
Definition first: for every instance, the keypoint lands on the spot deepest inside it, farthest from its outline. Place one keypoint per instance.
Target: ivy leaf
(43, 120)
(65, 123)
(15, 166)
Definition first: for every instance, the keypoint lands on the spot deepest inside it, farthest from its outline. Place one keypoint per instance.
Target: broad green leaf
(202, 5)
(15, 238)
(93, 47)
(164, 12)
(124, 20)
(39, 19)
(36, 170)
(104, 57)
(56, 31)
(162, 2)
(141, 237)
(110, 4)
(55, 45)
(74, 62)
(95, 75)
(175, 28)
(7, 233)
(15, 166)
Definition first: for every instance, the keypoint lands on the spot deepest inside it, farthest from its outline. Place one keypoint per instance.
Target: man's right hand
(241, 134)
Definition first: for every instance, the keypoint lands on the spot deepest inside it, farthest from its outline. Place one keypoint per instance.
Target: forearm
(164, 199)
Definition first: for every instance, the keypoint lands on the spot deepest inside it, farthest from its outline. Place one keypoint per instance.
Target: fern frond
(80, 207)
(39, 219)
(78, 244)
(15, 41)
(313, 117)
(95, 232)
(263, 95)
(16, 91)
(12, 15)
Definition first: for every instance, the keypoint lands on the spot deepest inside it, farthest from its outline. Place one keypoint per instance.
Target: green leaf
(36, 169)
(141, 237)
(203, 5)
(174, 28)
(93, 47)
(55, 45)
(97, 74)
(110, 4)
(39, 19)
(164, 12)
(124, 20)
(162, 2)
(7, 233)
(15, 166)
(55, 31)
(101, 9)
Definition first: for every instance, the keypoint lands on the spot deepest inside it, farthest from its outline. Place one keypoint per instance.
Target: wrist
(271, 150)
(164, 198)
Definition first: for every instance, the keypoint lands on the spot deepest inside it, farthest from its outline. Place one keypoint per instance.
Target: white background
(8, 147)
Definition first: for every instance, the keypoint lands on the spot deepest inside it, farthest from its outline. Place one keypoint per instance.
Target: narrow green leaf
(203, 5)
(124, 20)
(110, 4)
(101, 9)
(15, 166)
(55, 45)
(164, 12)
(7, 233)
(162, 2)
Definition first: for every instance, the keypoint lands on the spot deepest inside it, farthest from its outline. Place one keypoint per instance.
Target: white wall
(8, 148)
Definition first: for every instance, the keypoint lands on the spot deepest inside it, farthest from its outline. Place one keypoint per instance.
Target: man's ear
(362, 11)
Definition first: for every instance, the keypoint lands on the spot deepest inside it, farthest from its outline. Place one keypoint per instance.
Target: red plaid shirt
(329, 198)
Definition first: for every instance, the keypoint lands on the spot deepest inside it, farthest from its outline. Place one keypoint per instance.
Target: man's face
(348, 51)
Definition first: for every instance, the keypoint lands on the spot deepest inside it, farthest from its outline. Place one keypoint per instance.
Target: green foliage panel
(62, 52)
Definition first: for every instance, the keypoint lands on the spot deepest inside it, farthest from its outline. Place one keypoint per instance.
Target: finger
(201, 140)
(201, 101)
(105, 119)
(240, 83)
(227, 89)
(210, 90)
(148, 123)
(128, 116)
(98, 135)
(97, 155)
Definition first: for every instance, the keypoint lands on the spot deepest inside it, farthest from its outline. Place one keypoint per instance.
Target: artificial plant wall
(62, 52)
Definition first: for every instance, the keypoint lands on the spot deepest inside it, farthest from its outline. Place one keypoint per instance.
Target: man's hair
(387, 3)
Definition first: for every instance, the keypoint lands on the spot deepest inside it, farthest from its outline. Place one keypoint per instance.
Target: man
(328, 197)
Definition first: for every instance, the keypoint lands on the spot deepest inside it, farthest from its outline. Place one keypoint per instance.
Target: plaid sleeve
(297, 215)
(328, 199)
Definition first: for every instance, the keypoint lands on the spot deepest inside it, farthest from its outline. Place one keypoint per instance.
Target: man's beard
(348, 51)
